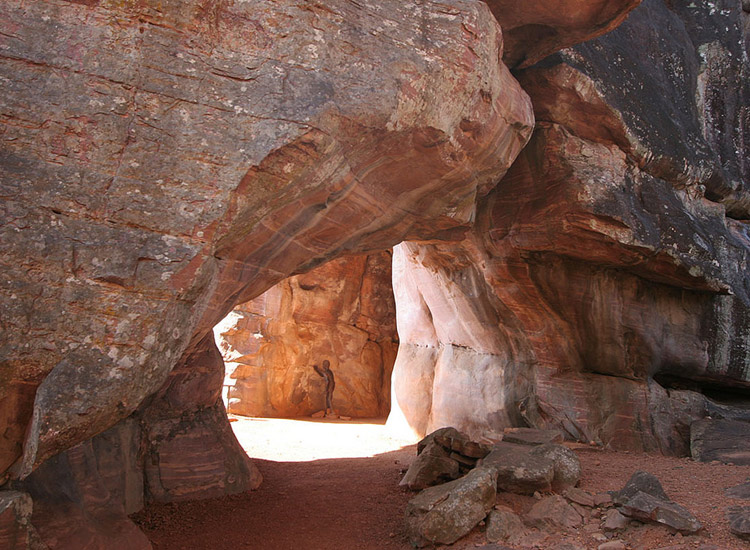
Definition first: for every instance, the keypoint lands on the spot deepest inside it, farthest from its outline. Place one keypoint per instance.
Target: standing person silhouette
(325, 371)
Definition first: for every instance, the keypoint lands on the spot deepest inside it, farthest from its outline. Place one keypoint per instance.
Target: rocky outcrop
(342, 311)
(605, 283)
(82, 497)
(186, 166)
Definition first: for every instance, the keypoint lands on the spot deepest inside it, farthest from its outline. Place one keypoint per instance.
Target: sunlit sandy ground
(308, 439)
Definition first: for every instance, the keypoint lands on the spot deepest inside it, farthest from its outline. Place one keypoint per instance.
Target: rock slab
(643, 498)
(739, 521)
(722, 440)
(445, 513)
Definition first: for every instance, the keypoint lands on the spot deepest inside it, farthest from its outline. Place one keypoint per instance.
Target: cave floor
(327, 485)
(310, 500)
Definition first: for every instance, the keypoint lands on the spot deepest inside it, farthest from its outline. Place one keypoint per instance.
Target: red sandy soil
(309, 501)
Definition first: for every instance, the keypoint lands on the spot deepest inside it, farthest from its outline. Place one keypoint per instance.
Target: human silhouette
(325, 371)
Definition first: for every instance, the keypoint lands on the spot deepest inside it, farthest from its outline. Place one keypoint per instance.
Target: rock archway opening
(308, 363)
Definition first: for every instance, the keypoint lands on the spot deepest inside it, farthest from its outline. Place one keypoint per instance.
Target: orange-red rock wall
(342, 311)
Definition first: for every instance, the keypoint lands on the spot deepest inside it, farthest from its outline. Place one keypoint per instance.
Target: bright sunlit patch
(284, 440)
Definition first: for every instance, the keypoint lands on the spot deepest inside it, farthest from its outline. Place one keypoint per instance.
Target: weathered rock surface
(606, 278)
(518, 471)
(185, 166)
(523, 469)
(723, 440)
(534, 30)
(447, 512)
(566, 465)
(82, 497)
(553, 513)
(739, 521)
(342, 311)
(16, 530)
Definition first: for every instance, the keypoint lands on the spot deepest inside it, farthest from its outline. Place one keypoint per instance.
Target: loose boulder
(525, 469)
(518, 471)
(445, 513)
(567, 467)
(431, 467)
(640, 482)
(443, 455)
(643, 498)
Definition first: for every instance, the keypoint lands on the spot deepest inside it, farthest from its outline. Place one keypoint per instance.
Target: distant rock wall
(342, 311)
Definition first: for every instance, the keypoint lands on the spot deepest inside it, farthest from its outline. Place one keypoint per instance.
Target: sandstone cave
(559, 191)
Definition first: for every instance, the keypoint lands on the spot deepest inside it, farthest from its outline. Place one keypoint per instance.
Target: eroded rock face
(185, 165)
(611, 261)
(533, 30)
(342, 311)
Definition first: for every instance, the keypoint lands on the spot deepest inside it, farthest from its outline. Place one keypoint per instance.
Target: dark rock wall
(615, 251)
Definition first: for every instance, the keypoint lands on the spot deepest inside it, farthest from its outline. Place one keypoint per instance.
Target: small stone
(553, 513)
(603, 500)
(741, 491)
(599, 536)
(579, 496)
(319, 414)
(503, 525)
(615, 521)
(612, 545)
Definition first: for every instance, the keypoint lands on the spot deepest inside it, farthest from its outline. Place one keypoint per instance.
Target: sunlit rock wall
(342, 311)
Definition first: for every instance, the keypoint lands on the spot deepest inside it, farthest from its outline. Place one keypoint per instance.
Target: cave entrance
(342, 312)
